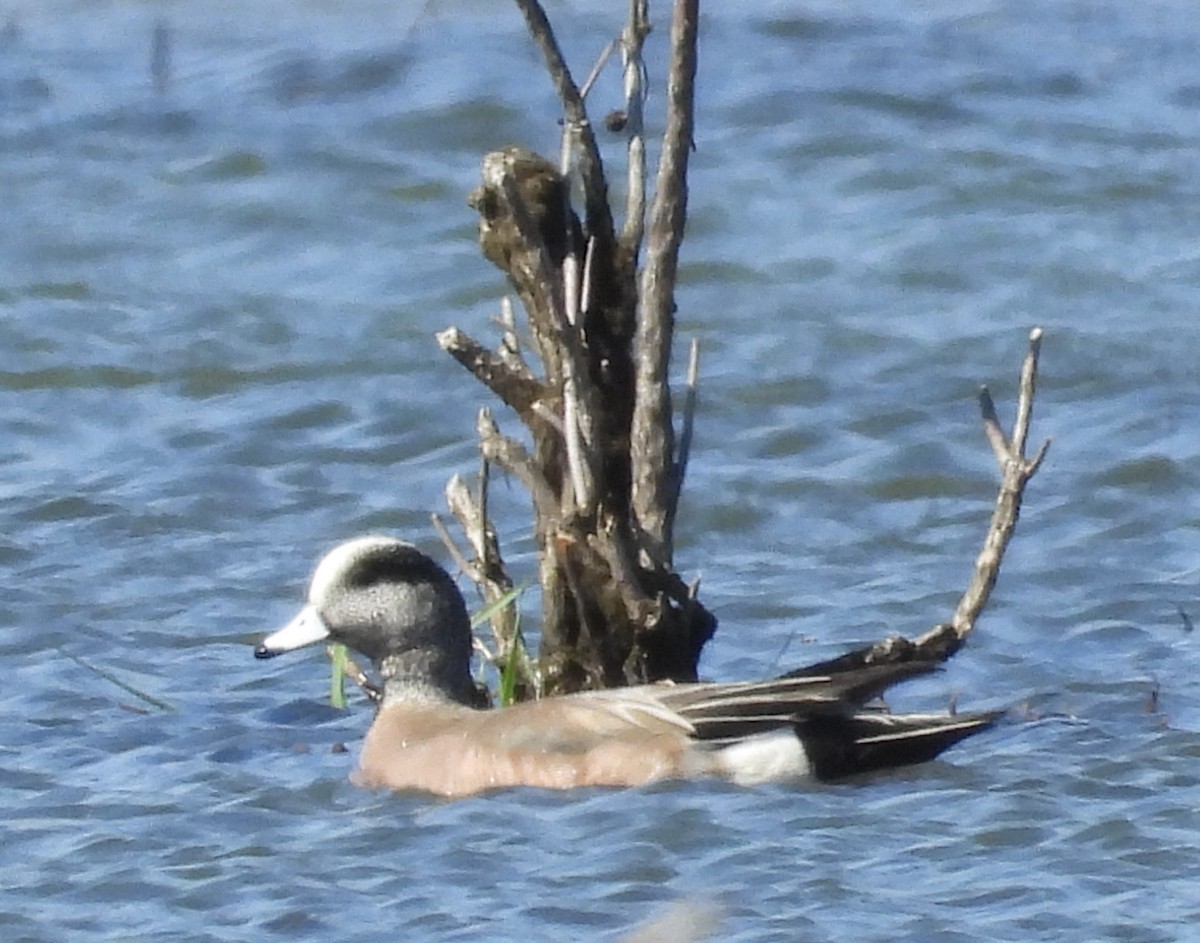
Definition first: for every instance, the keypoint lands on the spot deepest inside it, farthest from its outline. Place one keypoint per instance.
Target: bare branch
(514, 459)
(943, 640)
(516, 388)
(1016, 470)
(463, 564)
(1028, 388)
(591, 168)
(689, 420)
(585, 463)
(633, 38)
(652, 436)
(550, 418)
(589, 266)
(601, 62)
(509, 350)
(488, 548)
(577, 395)
(577, 463)
(488, 572)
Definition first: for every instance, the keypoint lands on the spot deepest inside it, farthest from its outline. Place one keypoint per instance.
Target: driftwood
(590, 383)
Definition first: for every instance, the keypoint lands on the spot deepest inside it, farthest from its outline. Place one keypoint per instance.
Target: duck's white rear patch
(764, 758)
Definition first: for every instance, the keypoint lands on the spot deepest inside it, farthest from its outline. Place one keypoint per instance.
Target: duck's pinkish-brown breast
(457, 751)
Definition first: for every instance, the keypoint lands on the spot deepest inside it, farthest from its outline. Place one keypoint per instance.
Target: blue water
(217, 308)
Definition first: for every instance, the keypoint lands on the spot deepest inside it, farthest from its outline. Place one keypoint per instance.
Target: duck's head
(386, 599)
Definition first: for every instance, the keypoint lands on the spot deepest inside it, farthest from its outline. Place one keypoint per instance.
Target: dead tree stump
(601, 457)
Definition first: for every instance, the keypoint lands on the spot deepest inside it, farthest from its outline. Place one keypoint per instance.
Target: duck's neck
(424, 676)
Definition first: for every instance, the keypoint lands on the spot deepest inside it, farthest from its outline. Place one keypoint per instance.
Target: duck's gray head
(386, 599)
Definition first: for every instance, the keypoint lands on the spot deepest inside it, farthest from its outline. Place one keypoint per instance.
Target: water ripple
(216, 361)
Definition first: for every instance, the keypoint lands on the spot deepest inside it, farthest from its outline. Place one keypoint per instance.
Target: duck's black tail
(841, 745)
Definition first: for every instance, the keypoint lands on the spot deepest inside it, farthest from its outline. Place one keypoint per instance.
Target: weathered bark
(602, 471)
(655, 474)
(605, 469)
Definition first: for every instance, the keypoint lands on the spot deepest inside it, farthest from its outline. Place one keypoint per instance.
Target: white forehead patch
(332, 569)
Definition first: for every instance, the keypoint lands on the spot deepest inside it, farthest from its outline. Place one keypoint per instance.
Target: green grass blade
(484, 614)
(123, 685)
(510, 671)
(509, 674)
(337, 676)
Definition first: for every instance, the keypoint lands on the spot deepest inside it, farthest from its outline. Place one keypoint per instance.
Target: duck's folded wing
(844, 745)
(579, 722)
(729, 711)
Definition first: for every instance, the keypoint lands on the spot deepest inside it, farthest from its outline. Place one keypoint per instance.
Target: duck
(395, 605)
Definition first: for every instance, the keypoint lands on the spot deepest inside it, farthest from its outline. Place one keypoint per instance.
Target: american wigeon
(395, 605)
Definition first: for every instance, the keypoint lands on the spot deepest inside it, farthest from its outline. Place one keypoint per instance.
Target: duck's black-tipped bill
(307, 628)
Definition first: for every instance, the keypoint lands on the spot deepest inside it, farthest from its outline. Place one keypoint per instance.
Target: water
(216, 360)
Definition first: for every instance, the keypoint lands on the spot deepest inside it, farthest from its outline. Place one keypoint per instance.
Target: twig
(589, 266)
(510, 351)
(486, 570)
(943, 640)
(443, 532)
(687, 425)
(577, 449)
(488, 573)
(464, 506)
(515, 388)
(633, 38)
(601, 62)
(652, 434)
(576, 425)
(514, 459)
(1016, 471)
(549, 417)
(591, 169)
(123, 685)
